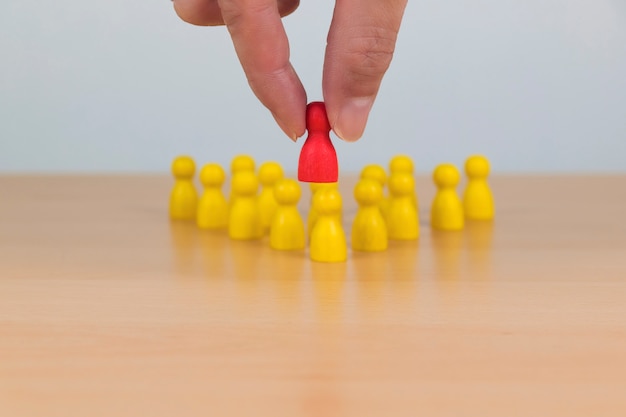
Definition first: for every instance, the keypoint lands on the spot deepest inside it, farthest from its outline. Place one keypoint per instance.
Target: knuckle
(369, 54)
(267, 78)
(241, 17)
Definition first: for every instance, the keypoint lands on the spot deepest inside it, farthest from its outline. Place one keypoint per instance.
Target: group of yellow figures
(248, 214)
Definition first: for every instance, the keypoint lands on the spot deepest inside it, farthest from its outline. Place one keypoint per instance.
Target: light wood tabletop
(109, 309)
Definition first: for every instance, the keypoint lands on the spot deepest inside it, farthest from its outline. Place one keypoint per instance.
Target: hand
(361, 42)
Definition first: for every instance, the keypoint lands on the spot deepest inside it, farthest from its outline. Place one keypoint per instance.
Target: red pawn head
(316, 118)
(318, 159)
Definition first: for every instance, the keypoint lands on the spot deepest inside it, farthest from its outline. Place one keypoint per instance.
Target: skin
(360, 46)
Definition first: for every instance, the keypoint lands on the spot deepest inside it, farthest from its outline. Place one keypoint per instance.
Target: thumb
(361, 43)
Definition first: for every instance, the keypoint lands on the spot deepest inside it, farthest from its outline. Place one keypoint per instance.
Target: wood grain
(109, 309)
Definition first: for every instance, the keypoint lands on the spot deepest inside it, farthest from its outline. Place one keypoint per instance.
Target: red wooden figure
(318, 159)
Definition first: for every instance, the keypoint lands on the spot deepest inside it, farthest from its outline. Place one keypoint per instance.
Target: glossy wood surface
(109, 309)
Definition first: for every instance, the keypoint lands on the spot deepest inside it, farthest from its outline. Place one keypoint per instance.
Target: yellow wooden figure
(269, 174)
(404, 164)
(212, 208)
(378, 174)
(184, 198)
(244, 222)
(242, 163)
(369, 231)
(312, 216)
(447, 211)
(401, 163)
(287, 227)
(402, 217)
(328, 240)
(375, 172)
(478, 199)
(239, 163)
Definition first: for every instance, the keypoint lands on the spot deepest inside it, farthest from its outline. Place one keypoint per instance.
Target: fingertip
(286, 7)
(349, 118)
(292, 120)
(199, 12)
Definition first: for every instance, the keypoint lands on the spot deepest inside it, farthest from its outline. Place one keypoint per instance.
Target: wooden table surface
(109, 309)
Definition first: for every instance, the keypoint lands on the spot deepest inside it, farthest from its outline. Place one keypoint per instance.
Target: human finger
(208, 13)
(199, 12)
(261, 44)
(361, 43)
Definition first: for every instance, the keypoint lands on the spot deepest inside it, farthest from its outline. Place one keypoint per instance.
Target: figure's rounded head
(374, 172)
(368, 192)
(241, 163)
(314, 186)
(270, 172)
(477, 166)
(316, 118)
(183, 167)
(327, 201)
(446, 175)
(245, 183)
(401, 184)
(212, 175)
(287, 191)
(401, 163)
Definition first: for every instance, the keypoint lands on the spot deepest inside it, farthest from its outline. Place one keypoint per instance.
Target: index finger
(208, 13)
(263, 50)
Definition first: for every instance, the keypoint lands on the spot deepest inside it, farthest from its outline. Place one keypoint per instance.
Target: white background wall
(124, 86)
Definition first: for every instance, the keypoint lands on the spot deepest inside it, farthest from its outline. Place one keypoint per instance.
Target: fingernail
(290, 133)
(352, 118)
